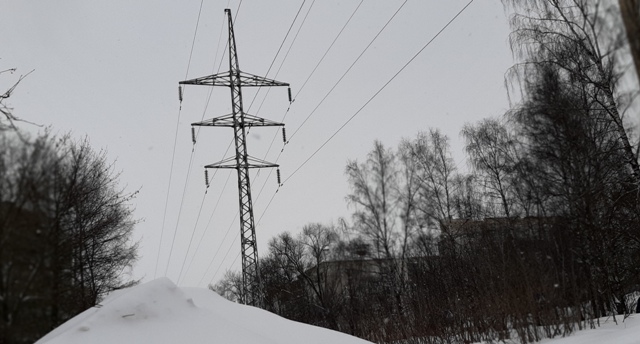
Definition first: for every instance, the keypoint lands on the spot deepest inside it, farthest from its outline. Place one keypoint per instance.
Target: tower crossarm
(228, 121)
(220, 79)
(224, 79)
(251, 80)
(251, 163)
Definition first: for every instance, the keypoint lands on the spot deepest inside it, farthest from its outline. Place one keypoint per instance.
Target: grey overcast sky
(109, 70)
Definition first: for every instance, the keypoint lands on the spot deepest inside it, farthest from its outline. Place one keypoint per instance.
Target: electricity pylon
(242, 162)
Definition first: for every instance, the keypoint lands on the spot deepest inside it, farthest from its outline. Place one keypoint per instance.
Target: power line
(193, 150)
(214, 66)
(380, 90)
(195, 34)
(287, 54)
(268, 204)
(214, 174)
(357, 59)
(237, 10)
(184, 189)
(166, 202)
(365, 104)
(269, 90)
(175, 232)
(278, 52)
(192, 235)
(175, 140)
(224, 258)
(300, 90)
(348, 69)
(334, 86)
(327, 51)
(227, 42)
(368, 101)
(206, 228)
(340, 79)
(219, 246)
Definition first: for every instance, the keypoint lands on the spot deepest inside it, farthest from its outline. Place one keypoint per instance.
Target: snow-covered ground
(624, 332)
(159, 312)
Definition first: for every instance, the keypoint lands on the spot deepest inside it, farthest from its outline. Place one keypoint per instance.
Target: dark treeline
(65, 230)
(540, 238)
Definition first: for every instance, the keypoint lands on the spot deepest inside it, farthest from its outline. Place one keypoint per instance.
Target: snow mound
(159, 312)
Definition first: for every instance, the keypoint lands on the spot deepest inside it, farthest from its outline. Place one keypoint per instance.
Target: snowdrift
(159, 312)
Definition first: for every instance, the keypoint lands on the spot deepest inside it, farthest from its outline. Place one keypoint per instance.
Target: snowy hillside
(159, 312)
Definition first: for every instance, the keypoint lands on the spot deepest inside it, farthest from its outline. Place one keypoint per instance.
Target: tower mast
(235, 79)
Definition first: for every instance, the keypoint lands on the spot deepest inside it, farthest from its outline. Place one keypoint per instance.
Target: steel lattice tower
(242, 162)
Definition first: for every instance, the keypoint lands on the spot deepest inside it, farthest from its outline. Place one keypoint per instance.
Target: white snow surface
(624, 332)
(610, 331)
(159, 312)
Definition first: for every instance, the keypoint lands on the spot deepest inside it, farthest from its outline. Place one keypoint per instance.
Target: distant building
(460, 233)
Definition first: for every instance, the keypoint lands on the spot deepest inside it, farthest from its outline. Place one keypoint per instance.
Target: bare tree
(318, 241)
(467, 198)
(299, 280)
(373, 194)
(582, 38)
(578, 162)
(8, 119)
(230, 286)
(384, 191)
(491, 150)
(437, 170)
(65, 230)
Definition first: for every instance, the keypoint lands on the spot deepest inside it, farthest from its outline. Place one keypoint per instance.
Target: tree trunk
(630, 11)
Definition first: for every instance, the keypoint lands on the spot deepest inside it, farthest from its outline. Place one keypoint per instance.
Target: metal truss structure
(242, 162)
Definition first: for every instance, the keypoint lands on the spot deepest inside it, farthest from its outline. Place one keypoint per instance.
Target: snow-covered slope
(624, 332)
(159, 312)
